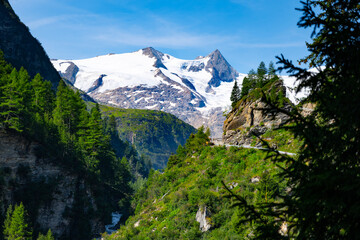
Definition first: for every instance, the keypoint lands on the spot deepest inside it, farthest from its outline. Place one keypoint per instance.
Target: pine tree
(235, 94)
(12, 105)
(16, 226)
(7, 221)
(70, 117)
(69, 109)
(261, 75)
(48, 236)
(94, 142)
(323, 199)
(272, 69)
(43, 99)
(248, 83)
(262, 70)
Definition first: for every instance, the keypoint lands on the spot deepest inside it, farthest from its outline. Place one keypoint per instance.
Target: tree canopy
(235, 94)
(322, 199)
(16, 225)
(258, 79)
(70, 133)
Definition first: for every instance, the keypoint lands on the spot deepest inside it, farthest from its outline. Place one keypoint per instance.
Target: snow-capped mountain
(197, 91)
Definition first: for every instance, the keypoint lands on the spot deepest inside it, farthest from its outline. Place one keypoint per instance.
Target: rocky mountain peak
(221, 70)
(216, 54)
(152, 53)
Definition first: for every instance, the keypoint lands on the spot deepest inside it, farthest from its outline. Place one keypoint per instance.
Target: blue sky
(245, 31)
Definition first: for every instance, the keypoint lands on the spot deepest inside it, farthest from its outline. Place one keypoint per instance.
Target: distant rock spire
(221, 70)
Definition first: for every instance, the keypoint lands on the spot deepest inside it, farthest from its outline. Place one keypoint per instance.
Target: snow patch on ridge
(121, 70)
(193, 90)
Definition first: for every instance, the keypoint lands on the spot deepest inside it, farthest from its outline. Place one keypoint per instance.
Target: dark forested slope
(20, 48)
(155, 134)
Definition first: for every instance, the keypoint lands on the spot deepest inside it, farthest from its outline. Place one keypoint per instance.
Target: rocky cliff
(55, 198)
(251, 118)
(20, 48)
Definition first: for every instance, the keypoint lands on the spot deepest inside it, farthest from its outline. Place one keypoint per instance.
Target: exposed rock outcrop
(70, 72)
(20, 48)
(221, 70)
(252, 118)
(56, 199)
(98, 83)
(203, 217)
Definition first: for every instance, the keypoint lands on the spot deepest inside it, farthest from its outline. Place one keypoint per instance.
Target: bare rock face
(70, 72)
(251, 119)
(49, 192)
(20, 48)
(220, 69)
(307, 109)
(203, 217)
(98, 83)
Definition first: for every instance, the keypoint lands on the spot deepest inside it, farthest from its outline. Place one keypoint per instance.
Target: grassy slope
(155, 134)
(167, 208)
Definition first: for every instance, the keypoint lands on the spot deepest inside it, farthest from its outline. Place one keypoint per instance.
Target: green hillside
(167, 208)
(70, 142)
(155, 134)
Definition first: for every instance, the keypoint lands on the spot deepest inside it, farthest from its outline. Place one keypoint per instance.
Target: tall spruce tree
(12, 106)
(43, 99)
(248, 83)
(70, 117)
(272, 70)
(16, 226)
(323, 197)
(261, 75)
(235, 94)
(48, 236)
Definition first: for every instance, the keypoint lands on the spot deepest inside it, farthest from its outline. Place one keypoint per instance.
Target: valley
(146, 145)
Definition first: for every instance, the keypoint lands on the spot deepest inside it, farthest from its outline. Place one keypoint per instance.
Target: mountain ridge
(196, 91)
(193, 90)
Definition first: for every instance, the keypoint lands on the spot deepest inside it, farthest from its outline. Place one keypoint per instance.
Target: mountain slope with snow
(197, 91)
